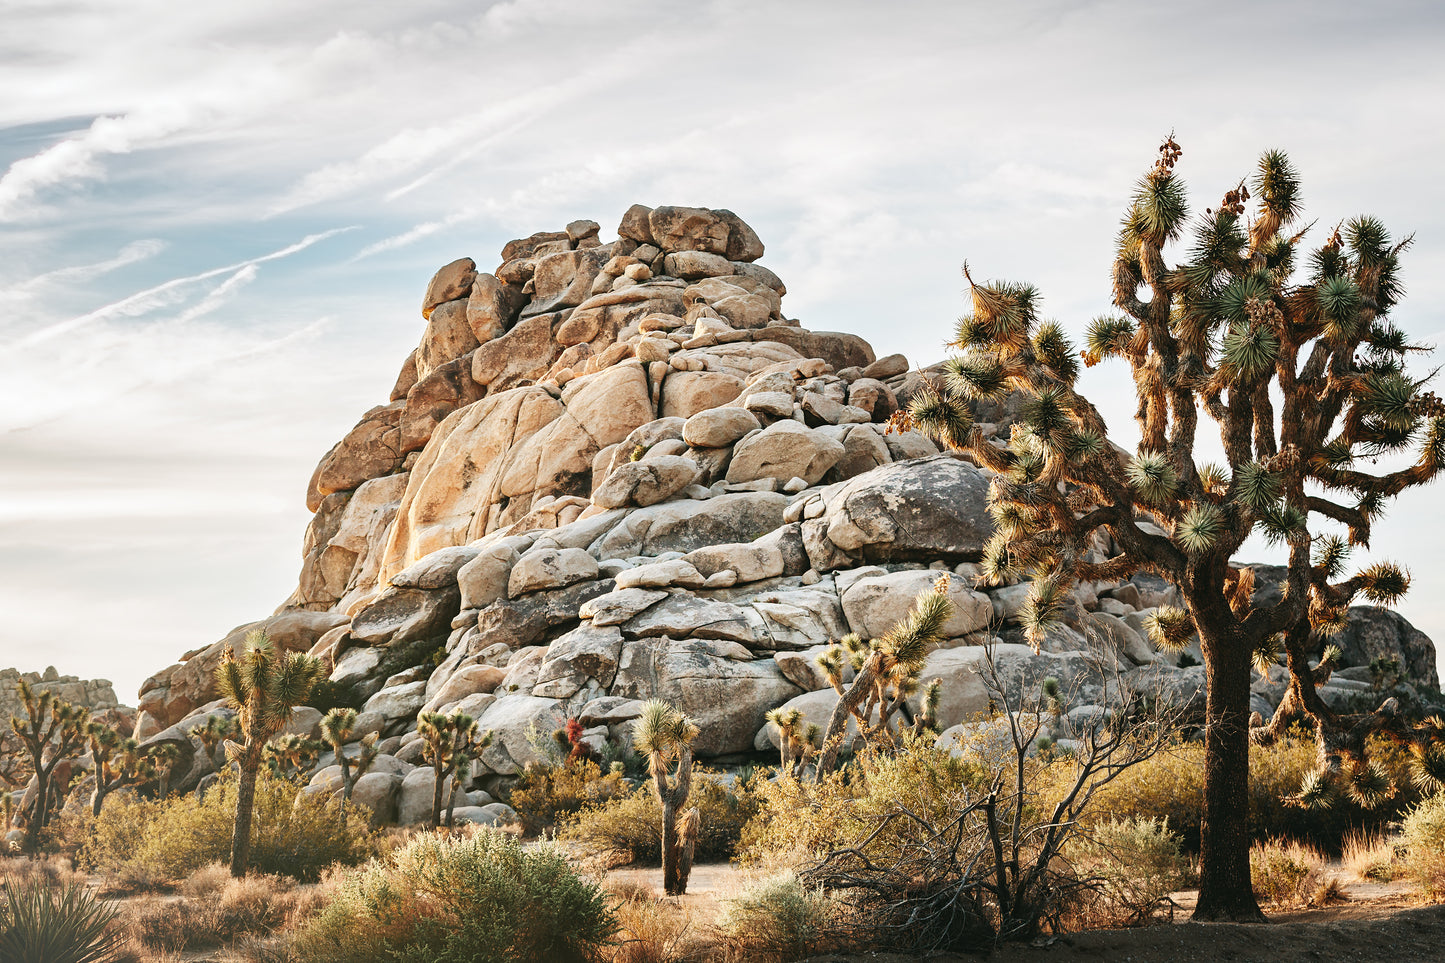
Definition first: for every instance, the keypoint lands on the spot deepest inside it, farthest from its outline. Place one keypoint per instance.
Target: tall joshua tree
(1292, 356)
(52, 730)
(886, 670)
(263, 685)
(664, 735)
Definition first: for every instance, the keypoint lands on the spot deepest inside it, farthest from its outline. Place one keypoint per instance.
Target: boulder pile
(612, 472)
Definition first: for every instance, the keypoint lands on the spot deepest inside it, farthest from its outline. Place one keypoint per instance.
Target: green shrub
(39, 924)
(477, 899)
(800, 819)
(1423, 833)
(779, 918)
(546, 795)
(291, 835)
(628, 829)
(1137, 862)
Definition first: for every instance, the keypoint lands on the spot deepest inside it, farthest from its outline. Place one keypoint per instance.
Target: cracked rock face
(614, 471)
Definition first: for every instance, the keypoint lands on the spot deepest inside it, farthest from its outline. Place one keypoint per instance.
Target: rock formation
(617, 471)
(97, 695)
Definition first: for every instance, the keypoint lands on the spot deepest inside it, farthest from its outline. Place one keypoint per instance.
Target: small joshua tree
(213, 735)
(52, 730)
(263, 685)
(450, 743)
(336, 728)
(796, 738)
(887, 672)
(288, 754)
(1305, 380)
(664, 735)
(119, 762)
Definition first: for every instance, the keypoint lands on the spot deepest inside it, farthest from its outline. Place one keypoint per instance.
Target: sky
(217, 222)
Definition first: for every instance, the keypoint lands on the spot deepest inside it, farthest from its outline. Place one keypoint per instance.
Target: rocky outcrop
(616, 471)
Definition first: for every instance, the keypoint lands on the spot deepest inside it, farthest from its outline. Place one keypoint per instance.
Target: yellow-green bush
(1136, 862)
(297, 836)
(1289, 874)
(779, 918)
(545, 795)
(628, 828)
(477, 899)
(1423, 833)
(1171, 786)
(798, 819)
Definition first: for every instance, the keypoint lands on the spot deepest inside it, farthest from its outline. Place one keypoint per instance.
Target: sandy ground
(1376, 922)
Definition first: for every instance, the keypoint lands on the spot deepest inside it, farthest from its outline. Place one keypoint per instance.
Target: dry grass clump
(55, 872)
(652, 930)
(1371, 857)
(779, 918)
(216, 910)
(1291, 874)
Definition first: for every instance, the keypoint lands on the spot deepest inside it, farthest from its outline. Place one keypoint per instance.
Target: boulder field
(611, 472)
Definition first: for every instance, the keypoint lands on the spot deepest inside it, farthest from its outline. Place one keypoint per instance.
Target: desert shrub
(1137, 863)
(292, 835)
(1422, 833)
(779, 918)
(545, 795)
(628, 829)
(215, 910)
(1290, 874)
(480, 898)
(800, 819)
(1171, 786)
(42, 924)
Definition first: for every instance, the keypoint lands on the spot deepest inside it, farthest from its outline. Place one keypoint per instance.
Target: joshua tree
(213, 736)
(119, 762)
(1306, 382)
(664, 735)
(336, 727)
(796, 738)
(291, 752)
(52, 730)
(887, 671)
(263, 685)
(450, 743)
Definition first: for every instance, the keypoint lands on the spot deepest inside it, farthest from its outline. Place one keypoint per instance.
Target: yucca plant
(449, 744)
(796, 738)
(40, 924)
(291, 753)
(886, 673)
(664, 736)
(336, 728)
(119, 762)
(1292, 355)
(52, 730)
(263, 685)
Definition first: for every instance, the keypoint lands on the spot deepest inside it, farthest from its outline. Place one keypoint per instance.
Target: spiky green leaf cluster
(1152, 477)
(909, 642)
(661, 731)
(1256, 487)
(1170, 629)
(1384, 583)
(1200, 530)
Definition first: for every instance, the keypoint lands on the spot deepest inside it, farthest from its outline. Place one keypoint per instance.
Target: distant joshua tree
(336, 728)
(449, 743)
(52, 730)
(664, 735)
(119, 762)
(1304, 378)
(263, 685)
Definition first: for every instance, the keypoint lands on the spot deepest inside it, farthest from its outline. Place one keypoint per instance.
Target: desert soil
(1376, 922)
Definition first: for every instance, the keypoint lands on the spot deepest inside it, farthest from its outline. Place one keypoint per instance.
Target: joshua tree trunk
(1225, 891)
(37, 815)
(436, 796)
(97, 797)
(677, 847)
(245, 804)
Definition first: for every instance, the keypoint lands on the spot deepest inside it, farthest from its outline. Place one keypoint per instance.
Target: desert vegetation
(974, 769)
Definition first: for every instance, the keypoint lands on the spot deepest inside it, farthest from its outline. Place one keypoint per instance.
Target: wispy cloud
(167, 293)
(132, 253)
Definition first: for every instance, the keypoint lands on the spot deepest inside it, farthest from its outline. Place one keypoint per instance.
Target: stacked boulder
(612, 472)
